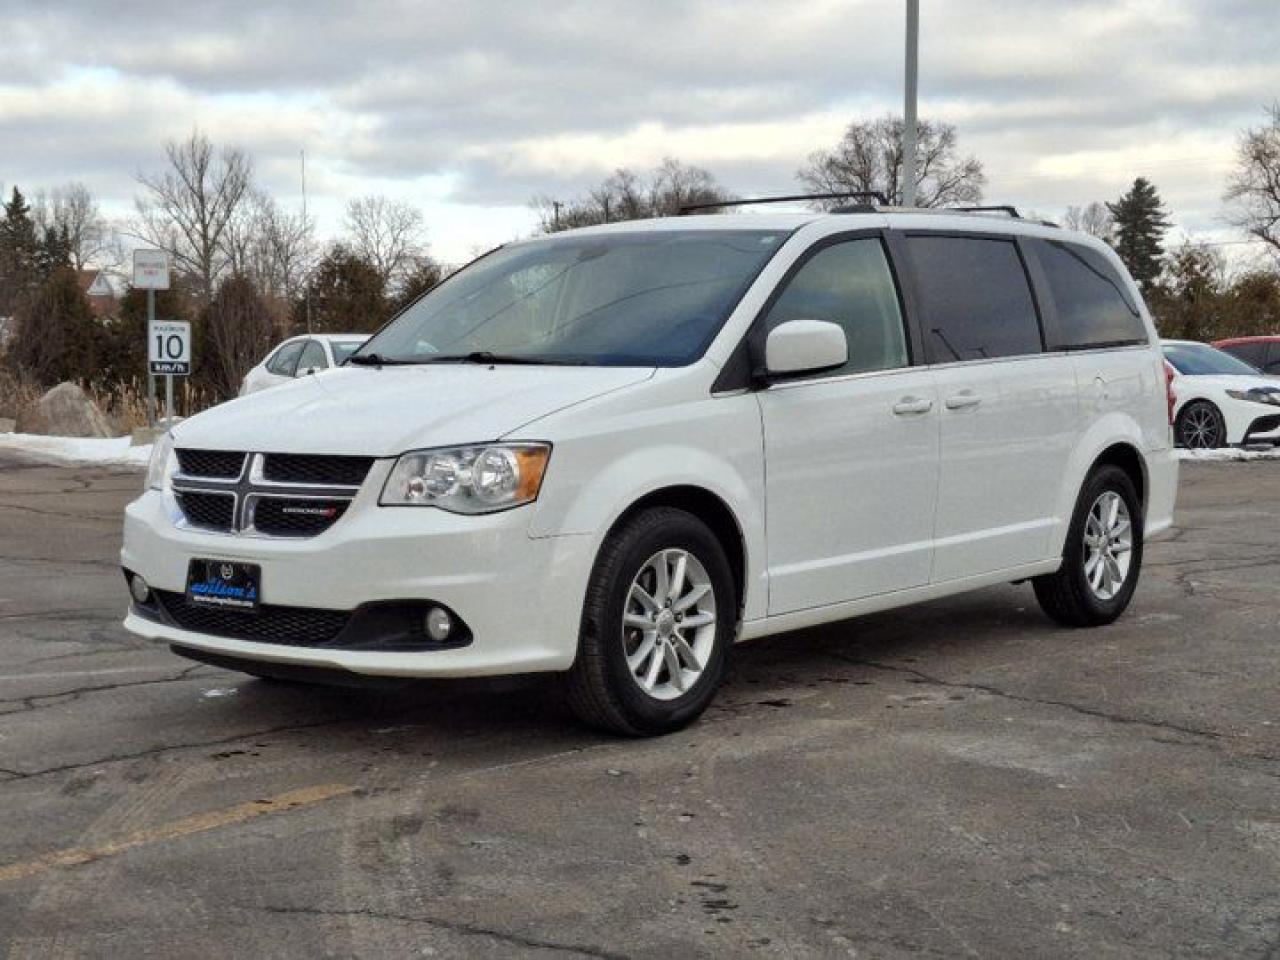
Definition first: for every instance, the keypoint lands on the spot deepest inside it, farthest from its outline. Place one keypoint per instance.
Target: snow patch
(1231, 453)
(111, 451)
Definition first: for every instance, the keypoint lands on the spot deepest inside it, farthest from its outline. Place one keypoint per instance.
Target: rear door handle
(910, 405)
(963, 399)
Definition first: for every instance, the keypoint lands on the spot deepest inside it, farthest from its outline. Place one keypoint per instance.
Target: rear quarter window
(975, 299)
(1094, 306)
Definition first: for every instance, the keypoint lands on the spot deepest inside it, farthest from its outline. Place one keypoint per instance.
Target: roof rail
(1012, 211)
(1002, 208)
(862, 195)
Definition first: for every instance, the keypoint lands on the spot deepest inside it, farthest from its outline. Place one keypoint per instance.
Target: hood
(1230, 382)
(368, 411)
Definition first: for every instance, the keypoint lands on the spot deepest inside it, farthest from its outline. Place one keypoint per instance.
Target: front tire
(659, 619)
(1201, 426)
(1102, 556)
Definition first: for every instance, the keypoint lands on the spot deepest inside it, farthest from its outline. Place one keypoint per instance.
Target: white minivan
(614, 452)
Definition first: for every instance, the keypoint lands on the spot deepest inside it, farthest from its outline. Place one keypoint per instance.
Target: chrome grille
(257, 500)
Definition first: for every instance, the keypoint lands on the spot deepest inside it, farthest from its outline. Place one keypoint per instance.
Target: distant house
(102, 296)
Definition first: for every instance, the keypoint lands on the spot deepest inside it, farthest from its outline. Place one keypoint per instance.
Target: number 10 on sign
(169, 353)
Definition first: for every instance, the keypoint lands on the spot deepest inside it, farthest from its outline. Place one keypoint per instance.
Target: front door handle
(962, 400)
(910, 405)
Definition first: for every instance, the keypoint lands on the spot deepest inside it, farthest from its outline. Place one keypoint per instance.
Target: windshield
(343, 349)
(1202, 360)
(647, 298)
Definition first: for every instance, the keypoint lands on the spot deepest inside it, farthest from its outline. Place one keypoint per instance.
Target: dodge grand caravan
(612, 453)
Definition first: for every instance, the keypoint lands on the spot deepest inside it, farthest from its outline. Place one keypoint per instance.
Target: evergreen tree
(346, 294)
(1140, 225)
(424, 275)
(54, 251)
(57, 337)
(19, 253)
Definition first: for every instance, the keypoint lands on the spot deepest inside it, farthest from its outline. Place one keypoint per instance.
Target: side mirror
(804, 346)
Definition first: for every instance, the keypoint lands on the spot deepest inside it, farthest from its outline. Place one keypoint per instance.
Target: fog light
(140, 589)
(438, 624)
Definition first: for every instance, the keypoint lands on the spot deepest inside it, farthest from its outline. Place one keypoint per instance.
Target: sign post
(151, 273)
(169, 353)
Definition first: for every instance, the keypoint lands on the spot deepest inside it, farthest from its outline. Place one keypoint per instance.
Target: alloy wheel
(1200, 428)
(669, 624)
(1108, 545)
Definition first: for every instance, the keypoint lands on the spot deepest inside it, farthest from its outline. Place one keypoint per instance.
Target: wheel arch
(1127, 457)
(708, 507)
(1114, 438)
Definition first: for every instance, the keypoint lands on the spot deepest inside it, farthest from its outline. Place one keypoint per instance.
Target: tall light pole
(306, 226)
(909, 135)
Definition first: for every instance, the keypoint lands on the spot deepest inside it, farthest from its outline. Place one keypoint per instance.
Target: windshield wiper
(376, 360)
(488, 356)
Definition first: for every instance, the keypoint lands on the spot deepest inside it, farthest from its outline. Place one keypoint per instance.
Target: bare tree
(1254, 188)
(388, 234)
(625, 195)
(1093, 218)
(273, 248)
(870, 157)
(72, 211)
(187, 209)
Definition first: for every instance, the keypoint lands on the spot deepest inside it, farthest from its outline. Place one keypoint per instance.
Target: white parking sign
(151, 269)
(169, 347)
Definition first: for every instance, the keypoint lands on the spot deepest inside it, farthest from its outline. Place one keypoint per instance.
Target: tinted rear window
(1254, 354)
(1093, 305)
(975, 299)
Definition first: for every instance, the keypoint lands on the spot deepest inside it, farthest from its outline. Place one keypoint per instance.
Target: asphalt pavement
(961, 779)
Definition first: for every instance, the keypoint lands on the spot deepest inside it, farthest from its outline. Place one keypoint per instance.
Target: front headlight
(476, 479)
(1256, 395)
(162, 463)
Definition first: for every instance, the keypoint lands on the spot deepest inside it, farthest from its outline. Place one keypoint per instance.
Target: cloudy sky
(470, 109)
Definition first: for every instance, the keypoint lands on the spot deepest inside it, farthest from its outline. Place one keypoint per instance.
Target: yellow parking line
(74, 856)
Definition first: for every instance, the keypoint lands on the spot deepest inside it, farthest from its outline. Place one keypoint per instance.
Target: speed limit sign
(169, 347)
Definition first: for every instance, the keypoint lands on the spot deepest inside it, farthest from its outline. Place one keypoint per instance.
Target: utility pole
(909, 133)
(306, 225)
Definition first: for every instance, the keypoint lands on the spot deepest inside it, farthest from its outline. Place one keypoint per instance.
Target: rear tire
(1096, 582)
(1201, 426)
(644, 666)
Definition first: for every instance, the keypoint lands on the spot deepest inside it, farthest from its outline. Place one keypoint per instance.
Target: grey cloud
(447, 89)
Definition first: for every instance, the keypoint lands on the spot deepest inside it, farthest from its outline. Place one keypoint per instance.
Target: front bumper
(520, 597)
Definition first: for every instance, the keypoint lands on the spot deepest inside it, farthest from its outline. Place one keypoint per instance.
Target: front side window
(312, 358)
(849, 284)
(343, 349)
(286, 359)
(975, 299)
(640, 298)
(1094, 309)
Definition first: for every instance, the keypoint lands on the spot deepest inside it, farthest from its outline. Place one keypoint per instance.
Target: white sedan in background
(300, 356)
(1219, 400)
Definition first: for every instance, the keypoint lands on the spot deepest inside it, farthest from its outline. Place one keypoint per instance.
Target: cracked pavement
(958, 779)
